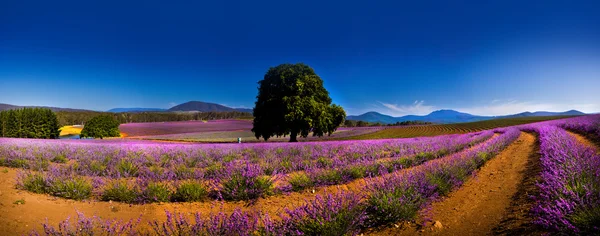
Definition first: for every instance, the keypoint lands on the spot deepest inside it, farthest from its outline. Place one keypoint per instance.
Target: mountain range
(205, 107)
(191, 106)
(195, 106)
(440, 116)
(9, 107)
(451, 116)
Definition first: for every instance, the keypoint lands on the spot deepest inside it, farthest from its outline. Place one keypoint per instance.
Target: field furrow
(483, 201)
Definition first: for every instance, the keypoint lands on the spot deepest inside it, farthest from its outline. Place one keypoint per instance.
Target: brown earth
(584, 140)
(493, 202)
(17, 219)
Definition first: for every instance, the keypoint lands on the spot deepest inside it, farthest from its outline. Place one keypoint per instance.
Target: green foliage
(29, 123)
(157, 192)
(119, 191)
(387, 207)
(190, 191)
(82, 117)
(240, 187)
(329, 176)
(300, 181)
(324, 162)
(76, 188)
(60, 158)
(128, 168)
(292, 101)
(34, 183)
(586, 218)
(19, 202)
(441, 181)
(100, 127)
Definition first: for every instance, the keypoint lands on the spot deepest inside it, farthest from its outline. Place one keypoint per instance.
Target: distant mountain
(9, 107)
(137, 109)
(205, 107)
(4, 107)
(373, 117)
(450, 116)
(547, 113)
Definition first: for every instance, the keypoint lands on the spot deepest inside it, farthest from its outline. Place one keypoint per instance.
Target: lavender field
(387, 181)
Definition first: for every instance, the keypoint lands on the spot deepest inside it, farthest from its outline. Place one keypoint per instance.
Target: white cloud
(416, 108)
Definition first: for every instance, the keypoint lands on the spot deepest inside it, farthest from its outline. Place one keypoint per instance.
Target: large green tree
(292, 101)
(100, 127)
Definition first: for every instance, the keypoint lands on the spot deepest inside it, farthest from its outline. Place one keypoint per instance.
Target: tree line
(29, 123)
(360, 123)
(81, 117)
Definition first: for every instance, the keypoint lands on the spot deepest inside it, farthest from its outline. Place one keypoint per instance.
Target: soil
(495, 201)
(18, 219)
(584, 140)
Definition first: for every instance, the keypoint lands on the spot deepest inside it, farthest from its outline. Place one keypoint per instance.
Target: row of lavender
(391, 199)
(167, 161)
(569, 200)
(242, 179)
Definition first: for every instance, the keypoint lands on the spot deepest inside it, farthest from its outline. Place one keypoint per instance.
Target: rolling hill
(9, 107)
(205, 107)
(451, 116)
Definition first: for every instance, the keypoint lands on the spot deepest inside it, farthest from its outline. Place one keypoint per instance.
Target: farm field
(354, 186)
(161, 128)
(441, 129)
(248, 136)
(212, 131)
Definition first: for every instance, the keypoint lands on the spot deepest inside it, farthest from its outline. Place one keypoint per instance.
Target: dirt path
(585, 141)
(484, 201)
(22, 219)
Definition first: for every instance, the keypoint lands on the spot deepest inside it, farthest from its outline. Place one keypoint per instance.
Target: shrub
(238, 223)
(97, 167)
(213, 170)
(32, 182)
(328, 176)
(91, 226)
(61, 158)
(40, 164)
(356, 171)
(183, 172)
(157, 192)
(128, 168)
(19, 163)
(246, 184)
(119, 191)
(300, 181)
(76, 188)
(442, 182)
(190, 191)
(388, 207)
(339, 214)
(324, 162)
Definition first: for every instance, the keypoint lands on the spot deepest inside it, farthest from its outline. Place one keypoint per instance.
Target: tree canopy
(101, 126)
(29, 123)
(292, 100)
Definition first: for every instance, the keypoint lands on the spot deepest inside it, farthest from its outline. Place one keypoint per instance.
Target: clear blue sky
(395, 57)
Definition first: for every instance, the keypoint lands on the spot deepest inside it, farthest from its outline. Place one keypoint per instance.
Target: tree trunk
(293, 136)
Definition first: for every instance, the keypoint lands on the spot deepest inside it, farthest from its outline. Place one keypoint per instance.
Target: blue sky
(394, 57)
